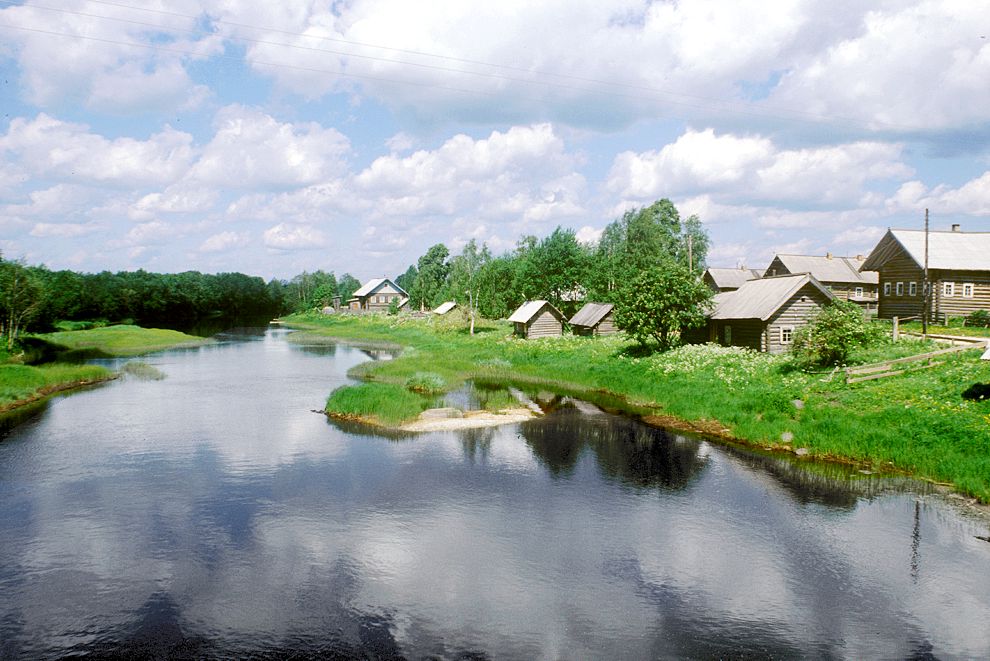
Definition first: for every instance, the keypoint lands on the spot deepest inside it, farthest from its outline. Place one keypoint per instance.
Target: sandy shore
(471, 420)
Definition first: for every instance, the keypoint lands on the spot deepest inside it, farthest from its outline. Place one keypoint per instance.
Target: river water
(213, 514)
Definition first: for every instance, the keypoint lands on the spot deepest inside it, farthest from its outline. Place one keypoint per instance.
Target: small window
(967, 290)
(786, 334)
(900, 288)
(728, 334)
(886, 289)
(948, 289)
(859, 292)
(912, 289)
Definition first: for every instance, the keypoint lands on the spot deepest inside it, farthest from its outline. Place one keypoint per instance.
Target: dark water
(212, 514)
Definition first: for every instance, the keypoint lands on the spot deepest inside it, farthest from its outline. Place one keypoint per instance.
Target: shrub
(833, 333)
(979, 318)
(427, 383)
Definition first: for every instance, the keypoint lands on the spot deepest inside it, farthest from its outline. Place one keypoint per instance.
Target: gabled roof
(830, 268)
(760, 299)
(444, 308)
(591, 314)
(529, 309)
(732, 278)
(957, 251)
(374, 284)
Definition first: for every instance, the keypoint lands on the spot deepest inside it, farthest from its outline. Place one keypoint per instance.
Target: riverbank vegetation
(917, 422)
(121, 340)
(23, 384)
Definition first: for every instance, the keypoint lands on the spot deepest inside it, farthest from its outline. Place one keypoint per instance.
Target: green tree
(659, 302)
(497, 293)
(346, 286)
(431, 278)
(833, 333)
(21, 297)
(408, 279)
(554, 269)
(463, 282)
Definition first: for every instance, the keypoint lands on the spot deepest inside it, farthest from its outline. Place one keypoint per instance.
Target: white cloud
(285, 236)
(43, 230)
(972, 198)
(734, 168)
(588, 235)
(176, 199)
(222, 242)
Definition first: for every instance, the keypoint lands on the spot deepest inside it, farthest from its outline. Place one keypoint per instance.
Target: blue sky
(271, 138)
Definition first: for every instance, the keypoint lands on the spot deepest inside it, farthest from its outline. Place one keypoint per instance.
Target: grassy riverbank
(916, 422)
(25, 384)
(122, 340)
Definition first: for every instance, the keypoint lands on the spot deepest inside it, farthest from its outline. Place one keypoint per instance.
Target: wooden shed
(537, 319)
(594, 319)
(958, 273)
(763, 314)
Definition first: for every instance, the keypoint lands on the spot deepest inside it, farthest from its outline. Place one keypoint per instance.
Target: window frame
(886, 288)
(789, 330)
(912, 289)
(948, 289)
(970, 287)
(900, 289)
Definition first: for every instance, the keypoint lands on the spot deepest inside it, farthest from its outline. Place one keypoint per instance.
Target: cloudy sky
(349, 135)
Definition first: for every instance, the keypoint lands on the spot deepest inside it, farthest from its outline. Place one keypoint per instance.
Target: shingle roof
(957, 251)
(830, 269)
(760, 299)
(732, 278)
(374, 284)
(591, 314)
(527, 310)
(444, 308)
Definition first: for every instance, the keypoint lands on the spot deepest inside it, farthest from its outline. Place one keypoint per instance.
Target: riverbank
(916, 423)
(23, 385)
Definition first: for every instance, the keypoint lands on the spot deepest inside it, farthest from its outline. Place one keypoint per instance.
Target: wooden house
(719, 280)
(377, 295)
(594, 319)
(763, 314)
(958, 272)
(537, 319)
(845, 277)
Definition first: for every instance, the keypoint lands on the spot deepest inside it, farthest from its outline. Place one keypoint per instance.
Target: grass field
(22, 383)
(917, 422)
(122, 340)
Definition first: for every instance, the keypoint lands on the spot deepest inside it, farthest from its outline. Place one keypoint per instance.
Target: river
(213, 514)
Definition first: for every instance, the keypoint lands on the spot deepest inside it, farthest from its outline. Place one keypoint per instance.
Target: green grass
(386, 403)
(22, 382)
(916, 422)
(952, 329)
(121, 340)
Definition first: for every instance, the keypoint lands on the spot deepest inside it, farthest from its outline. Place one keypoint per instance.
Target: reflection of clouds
(256, 526)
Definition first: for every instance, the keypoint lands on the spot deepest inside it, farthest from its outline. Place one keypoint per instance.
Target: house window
(786, 334)
(900, 288)
(886, 289)
(859, 292)
(967, 290)
(728, 335)
(912, 289)
(948, 289)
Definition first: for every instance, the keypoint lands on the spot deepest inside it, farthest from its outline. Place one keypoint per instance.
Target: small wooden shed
(537, 319)
(594, 319)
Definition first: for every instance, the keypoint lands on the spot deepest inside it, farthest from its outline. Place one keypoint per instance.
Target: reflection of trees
(477, 443)
(625, 449)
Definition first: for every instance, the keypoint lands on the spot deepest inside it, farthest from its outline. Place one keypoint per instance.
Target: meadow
(916, 423)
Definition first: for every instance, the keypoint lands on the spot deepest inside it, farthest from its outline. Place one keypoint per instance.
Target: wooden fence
(921, 361)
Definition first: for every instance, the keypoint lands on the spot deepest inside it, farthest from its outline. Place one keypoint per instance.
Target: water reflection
(212, 514)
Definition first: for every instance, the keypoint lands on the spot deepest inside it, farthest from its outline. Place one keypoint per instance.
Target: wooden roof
(732, 278)
(529, 309)
(444, 308)
(830, 268)
(955, 251)
(373, 284)
(760, 299)
(591, 314)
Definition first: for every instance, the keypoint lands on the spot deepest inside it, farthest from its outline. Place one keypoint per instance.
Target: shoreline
(48, 391)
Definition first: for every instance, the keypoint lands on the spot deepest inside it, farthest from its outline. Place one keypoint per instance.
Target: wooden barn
(763, 314)
(377, 295)
(594, 319)
(537, 319)
(720, 280)
(845, 277)
(958, 271)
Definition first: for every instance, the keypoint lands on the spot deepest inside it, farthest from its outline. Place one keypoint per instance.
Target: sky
(350, 135)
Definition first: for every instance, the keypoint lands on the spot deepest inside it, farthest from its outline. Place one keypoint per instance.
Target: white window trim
(886, 289)
(859, 292)
(968, 286)
(900, 288)
(790, 331)
(912, 289)
(948, 289)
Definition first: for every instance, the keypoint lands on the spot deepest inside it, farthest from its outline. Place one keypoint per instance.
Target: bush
(427, 383)
(979, 318)
(833, 333)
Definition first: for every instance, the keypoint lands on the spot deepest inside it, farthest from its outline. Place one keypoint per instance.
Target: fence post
(896, 332)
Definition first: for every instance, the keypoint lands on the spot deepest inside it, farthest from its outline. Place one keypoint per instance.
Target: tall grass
(22, 382)
(122, 340)
(916, 422)
(386, 403)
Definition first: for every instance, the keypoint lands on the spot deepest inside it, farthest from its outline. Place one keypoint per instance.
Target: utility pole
(690, 239)
(926, 287)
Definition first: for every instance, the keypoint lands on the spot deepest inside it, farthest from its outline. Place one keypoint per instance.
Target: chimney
(828, 255)
(859, 258)
(955, 227)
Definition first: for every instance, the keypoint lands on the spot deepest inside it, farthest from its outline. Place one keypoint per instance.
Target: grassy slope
(917, 421)
(123, 340)
(20, 384)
